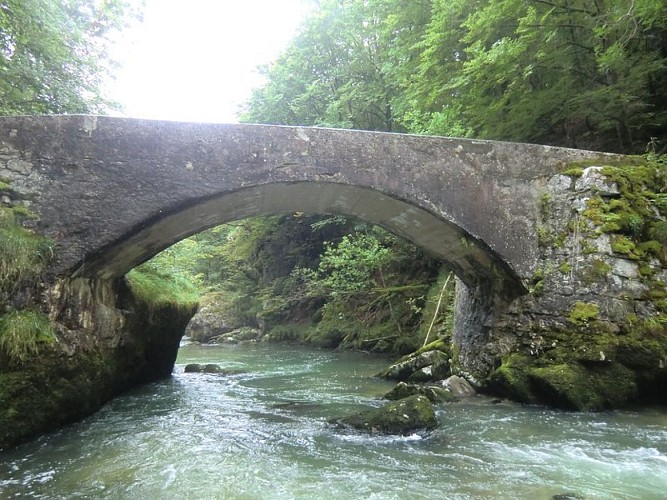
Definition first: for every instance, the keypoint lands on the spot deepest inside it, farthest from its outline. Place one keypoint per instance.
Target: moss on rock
(402, 417)
(575, 387)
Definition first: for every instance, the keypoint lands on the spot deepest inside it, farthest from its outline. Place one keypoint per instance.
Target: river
(262, 433)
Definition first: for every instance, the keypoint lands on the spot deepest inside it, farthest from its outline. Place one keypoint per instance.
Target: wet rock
(193, 368)
(208, 368)
(402, 417)
(431, 365)
(434, 393)
(459, 386)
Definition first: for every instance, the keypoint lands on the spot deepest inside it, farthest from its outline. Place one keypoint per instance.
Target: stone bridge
(113, 192)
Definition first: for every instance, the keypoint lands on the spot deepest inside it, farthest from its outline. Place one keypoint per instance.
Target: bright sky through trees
(197, 60)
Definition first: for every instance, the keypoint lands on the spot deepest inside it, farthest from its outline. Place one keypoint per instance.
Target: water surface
(262, 433)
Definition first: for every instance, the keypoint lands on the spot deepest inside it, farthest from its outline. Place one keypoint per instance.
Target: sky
(197, 60)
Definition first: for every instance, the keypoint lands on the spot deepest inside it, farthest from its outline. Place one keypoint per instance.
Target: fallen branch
(437, 309)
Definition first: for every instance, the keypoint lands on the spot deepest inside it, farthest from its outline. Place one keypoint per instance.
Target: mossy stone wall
(107, 342)
(592, 332)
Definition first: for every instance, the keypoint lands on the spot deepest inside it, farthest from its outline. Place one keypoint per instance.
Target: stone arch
(471, 260)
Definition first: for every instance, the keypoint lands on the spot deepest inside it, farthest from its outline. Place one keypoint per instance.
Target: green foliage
(567, 72)
(352, 266)
(157, 288)
(584, 312)
(54, 55)
(325, 280)
(24, 333)
(23, 255)
(574, 172)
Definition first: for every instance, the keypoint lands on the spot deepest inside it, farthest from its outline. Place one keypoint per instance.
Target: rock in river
(434, 393)
(402, 417)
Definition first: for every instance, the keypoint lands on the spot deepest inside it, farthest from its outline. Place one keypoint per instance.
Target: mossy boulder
(574, 387)
(434, 393)
(102, 349)
(421, 366)
(571, 386)
(402, 417)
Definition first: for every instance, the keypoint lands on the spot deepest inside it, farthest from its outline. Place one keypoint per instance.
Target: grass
(158, 289)
(23, 333)
(23, 255)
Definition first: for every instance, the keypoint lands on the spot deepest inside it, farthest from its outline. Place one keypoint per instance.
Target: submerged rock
(403, 417)
(209, 368)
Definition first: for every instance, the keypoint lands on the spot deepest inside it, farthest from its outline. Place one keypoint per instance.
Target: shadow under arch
(472, 260)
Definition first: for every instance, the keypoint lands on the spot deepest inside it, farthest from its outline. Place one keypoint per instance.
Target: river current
(261, 432)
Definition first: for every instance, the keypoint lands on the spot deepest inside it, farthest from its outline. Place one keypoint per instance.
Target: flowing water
(262, 433)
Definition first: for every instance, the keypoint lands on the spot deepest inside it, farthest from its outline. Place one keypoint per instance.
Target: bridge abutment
(592, 331)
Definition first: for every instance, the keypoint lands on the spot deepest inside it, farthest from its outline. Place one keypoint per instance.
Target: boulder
(209, 368)
(193, 368)
(403, 417)
(212, 319)
(419, 367)
(434, 393)
(243, 334)
(459, 386)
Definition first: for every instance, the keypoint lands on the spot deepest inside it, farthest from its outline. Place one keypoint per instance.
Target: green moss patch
(584, 312)
(574, 387)
(51, 391)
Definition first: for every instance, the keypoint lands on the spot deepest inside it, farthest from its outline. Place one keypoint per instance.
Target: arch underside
(469, 258)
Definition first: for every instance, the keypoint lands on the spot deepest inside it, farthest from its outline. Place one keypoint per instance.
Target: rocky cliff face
(106, 341)
(592, 332)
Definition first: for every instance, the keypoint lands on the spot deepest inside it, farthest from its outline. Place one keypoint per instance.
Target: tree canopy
(580, 73)
(54, 54)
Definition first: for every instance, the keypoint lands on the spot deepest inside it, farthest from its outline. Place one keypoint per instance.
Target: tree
(53, 54)
(340, 71)
(580, 73)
